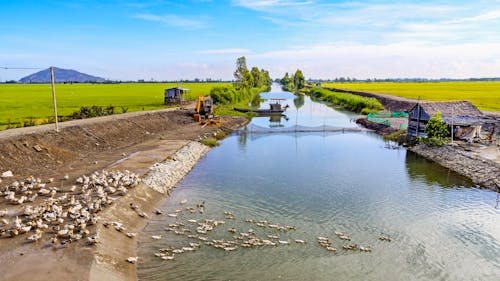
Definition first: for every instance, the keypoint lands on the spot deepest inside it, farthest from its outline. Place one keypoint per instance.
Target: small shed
(463, 115)
(174, 95)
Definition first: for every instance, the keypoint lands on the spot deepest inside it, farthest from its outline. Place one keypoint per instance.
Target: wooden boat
(274, 109)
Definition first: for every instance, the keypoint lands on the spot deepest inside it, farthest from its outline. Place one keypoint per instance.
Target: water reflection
(303, 111)
(321, 183)
(299, 101)
(419, 169)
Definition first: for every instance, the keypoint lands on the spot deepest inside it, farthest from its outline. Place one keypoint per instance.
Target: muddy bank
(482, 171)
(134, 142)
(378, 128)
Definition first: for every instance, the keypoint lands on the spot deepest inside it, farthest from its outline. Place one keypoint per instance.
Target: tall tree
(257, 77)
(298, 80)
(243, 77)
(287, 83)
(266, 78)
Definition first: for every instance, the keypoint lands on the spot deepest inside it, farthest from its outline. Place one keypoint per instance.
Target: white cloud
(380, 22)
(408, 59)
(492, 15)
(173, 20)
(234, 51)
(259, 4)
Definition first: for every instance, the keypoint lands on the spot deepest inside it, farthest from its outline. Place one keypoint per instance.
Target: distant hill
(61, 75)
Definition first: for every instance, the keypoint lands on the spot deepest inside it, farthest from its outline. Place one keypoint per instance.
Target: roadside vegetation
(351, 102)
(483, 94)
(31, 104)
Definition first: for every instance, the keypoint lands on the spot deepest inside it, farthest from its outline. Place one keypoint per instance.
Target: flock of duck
(259, 234)
(62, 214)
(65, 215)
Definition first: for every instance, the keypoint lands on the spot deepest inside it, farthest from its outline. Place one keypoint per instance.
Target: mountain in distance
(61, 76)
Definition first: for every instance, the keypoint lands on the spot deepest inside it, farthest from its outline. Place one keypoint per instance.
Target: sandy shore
(136, 143)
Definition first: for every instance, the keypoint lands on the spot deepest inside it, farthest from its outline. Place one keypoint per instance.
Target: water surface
(442, 227)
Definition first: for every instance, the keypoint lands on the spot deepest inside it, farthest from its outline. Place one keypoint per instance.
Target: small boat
(274, 109)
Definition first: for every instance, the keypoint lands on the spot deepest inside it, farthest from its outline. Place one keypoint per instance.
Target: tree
(257, 77)
(298, 80)
(437, 130)
(243, 77)
(287, 83)
(266, 78)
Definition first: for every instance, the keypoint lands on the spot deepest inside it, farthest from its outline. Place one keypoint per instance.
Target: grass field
(485, 95)
(21, 101)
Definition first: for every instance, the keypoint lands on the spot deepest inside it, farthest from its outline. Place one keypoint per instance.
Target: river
(440, 225)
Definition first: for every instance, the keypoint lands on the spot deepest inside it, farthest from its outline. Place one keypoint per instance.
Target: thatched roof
(454, 112)
(449, 108)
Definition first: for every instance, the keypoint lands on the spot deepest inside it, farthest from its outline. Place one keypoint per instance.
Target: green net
(377, 117)
(388, 114)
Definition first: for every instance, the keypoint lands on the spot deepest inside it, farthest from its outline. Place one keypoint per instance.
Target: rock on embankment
(163, 176)
(481, 171)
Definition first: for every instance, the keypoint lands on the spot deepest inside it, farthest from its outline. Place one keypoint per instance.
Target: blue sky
(160, 39)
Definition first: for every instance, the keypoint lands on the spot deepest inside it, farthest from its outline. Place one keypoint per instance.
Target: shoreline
(480, 170)
(109, 260)
(465, 160)
(133, 142)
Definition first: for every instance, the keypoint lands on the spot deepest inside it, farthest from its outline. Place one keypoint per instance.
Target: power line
(20, 68)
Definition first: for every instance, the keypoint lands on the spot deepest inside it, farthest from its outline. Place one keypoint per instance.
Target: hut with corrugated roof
(465, 118)
(174, 95)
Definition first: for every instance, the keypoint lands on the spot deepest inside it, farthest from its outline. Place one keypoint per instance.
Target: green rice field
(485, 95)
(19, 102)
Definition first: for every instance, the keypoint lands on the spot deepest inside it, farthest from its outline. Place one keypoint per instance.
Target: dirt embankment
(134, 141)
(93, 144)
(378, 128)
(465, 161)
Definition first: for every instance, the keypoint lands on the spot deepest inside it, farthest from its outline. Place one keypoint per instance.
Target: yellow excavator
(203, 108)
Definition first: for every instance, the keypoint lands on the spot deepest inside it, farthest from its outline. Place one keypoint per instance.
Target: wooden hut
(174, 95)
(465, 118)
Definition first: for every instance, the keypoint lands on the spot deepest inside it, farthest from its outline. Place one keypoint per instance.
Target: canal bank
(482, 167)
(478, 162)
(134, 142)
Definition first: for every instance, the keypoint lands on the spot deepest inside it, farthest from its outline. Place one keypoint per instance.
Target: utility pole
(452, 125)
(54, 96)
(418, 117)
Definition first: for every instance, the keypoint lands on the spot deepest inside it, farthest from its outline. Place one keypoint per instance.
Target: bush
(437, 131)
(93, 111)
(350, 101)
(367, 111)
(436, 127)
(220, 135)
(229, 95)
(210, 142)
(396, 136)
(433, 141)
